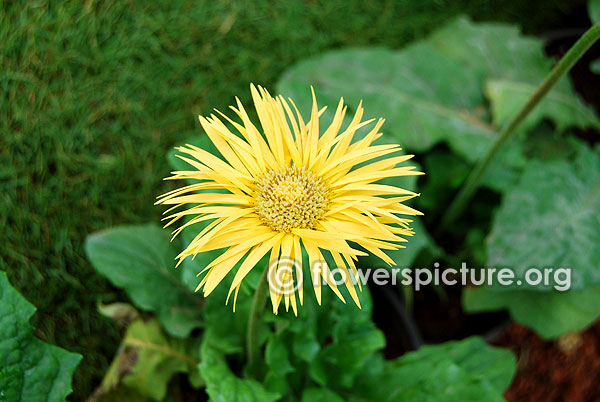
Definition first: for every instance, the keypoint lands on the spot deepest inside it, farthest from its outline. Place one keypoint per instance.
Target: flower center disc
(289, 198)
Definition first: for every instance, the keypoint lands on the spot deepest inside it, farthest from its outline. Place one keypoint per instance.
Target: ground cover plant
(491, 91)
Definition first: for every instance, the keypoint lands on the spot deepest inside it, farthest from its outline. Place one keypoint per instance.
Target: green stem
(472, 182)
(255, 319)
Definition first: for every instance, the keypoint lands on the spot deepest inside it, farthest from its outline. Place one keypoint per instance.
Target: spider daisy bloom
(290, 187)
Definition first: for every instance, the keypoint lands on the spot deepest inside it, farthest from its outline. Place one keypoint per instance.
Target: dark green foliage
(550, 219)
(467, 370)
(332, 352)
(140, 260)
(433, 92)
(30, 370)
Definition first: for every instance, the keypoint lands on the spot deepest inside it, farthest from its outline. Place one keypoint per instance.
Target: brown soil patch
(567, 369)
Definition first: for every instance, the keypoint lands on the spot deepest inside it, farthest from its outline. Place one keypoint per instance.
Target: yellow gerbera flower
(288, 187)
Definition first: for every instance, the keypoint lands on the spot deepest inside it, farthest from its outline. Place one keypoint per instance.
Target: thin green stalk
(255, 319)
(472, 182)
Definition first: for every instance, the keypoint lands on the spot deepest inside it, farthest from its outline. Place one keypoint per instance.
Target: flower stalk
(562, 67)
(255, 319)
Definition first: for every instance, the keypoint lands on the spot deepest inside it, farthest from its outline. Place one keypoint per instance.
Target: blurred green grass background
(94, 93)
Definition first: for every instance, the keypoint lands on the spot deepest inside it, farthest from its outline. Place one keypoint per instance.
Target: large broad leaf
(425, 96)
(513, 66)
(140, 259)
(432, 91)
(542, 142)
(551, 220)
(494, 50)
(30, 370)
(159, 357)
(147, 360)
(550, 313)
(563, 108)
(467, 370)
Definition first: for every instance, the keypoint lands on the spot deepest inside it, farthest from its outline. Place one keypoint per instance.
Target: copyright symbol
(281, 276)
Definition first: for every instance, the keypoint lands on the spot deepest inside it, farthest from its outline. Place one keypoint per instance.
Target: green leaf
(425, 96)
(326, 344)
(550, 314)
(224, 328)
(565, 109)
(330, 344)
(453, 371)
(594, 11)
(224, 340)
(320, 395)
(353, 340)
(277, 357)
(512, 67)
(445, 172)
(507, 168)
(158, 358)
(545, 143)
(595, 66)
(494, 50)
(432, 91)
(550, 219)
(539, 142)
(30, 370)
(222, 385)
(332, 352)
(146, 362)
(140, 259)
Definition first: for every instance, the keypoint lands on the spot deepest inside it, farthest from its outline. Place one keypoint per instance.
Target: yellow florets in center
(289, 198)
